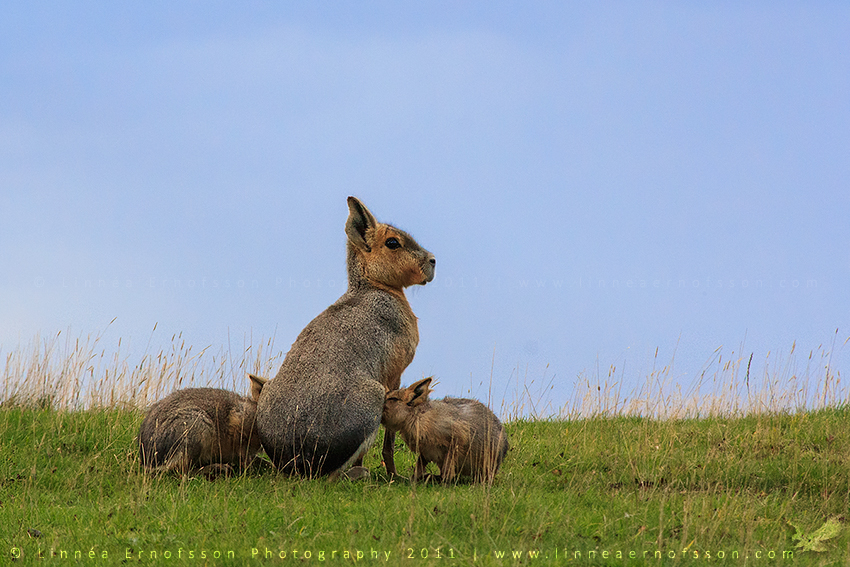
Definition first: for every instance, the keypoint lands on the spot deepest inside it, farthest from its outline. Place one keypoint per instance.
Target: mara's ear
(359, 221)
(420, 392)
(257, 384)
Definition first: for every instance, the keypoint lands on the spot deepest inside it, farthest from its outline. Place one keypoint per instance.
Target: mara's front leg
(393, 382)
(388, 451)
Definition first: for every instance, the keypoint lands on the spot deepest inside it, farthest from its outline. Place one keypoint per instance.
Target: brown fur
(207, 430)
(463, 437)
(386, 269)
(323, 409)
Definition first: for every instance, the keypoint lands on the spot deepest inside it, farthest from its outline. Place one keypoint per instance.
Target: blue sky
(597, 180)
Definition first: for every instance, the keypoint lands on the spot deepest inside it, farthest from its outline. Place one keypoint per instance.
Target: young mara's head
(400, 405)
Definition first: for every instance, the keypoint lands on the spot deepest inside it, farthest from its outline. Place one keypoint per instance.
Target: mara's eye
(392, 243)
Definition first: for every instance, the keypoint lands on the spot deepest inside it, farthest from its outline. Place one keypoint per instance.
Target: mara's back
(203, 424)
(488, 441)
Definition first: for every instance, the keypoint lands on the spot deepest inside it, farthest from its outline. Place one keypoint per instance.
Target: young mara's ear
(359, 221)
(257, 384)
(420, 392)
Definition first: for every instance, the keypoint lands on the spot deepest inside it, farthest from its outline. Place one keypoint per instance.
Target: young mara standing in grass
(462, 436)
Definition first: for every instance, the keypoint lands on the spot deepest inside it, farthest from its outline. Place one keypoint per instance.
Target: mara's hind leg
(364, 423)
(419, 471)
(356, 471)
(450, 467)
(178, 462)
(387, 454)
(215, 470)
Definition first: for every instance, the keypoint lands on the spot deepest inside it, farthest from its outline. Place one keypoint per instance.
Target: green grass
(748, 464)
(690, 489)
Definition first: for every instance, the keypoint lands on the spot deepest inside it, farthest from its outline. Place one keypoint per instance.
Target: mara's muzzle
(428, 267)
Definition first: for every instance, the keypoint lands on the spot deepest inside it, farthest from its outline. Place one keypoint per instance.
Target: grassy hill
(585, 491)
(745, 475)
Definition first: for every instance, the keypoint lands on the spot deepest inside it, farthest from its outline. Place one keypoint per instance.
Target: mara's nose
(429, 268)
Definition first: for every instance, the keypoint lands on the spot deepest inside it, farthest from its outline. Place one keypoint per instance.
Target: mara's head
(399, 405)
(382, 254)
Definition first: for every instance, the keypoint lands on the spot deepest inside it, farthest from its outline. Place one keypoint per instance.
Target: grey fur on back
(488, 441)
(194, 428)
(323, 408)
